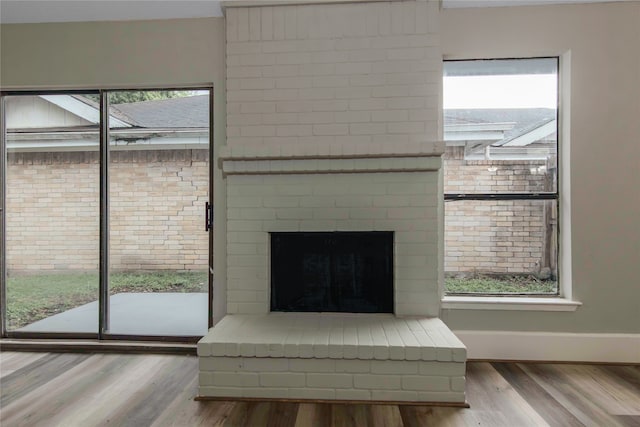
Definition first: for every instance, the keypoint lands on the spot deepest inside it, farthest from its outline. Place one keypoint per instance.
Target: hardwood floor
(66, 389)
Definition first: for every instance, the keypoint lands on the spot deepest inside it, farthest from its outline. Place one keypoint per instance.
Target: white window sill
(509, 303)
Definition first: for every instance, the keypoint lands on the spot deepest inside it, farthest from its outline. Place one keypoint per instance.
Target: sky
(512, 91)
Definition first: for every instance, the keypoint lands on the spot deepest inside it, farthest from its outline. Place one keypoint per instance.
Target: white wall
(112, 54)
(127, 54)
(604, 42)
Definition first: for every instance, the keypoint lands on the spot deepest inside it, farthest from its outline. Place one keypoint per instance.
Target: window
(501, 176)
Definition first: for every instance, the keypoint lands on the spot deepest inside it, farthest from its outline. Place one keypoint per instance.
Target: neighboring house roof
(535, 132)
(69, 123)
(184, 112)
(480, 129)
(521, 119)
(116, 118)
(86, 110)
(168, 121)
(527, 132)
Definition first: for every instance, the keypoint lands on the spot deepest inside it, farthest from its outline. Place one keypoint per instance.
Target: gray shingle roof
(524, 119)
(193, 112)
(184, 112)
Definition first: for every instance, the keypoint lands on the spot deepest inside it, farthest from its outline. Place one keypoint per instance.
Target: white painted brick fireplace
(333, 124)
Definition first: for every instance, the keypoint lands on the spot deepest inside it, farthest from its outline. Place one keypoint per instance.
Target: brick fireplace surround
(333, 124)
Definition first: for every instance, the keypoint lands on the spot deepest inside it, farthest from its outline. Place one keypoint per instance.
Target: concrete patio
(158, 314)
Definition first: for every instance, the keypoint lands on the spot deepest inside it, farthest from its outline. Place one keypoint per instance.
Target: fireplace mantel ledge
(256, 3)
(368, 150)
(331, 158)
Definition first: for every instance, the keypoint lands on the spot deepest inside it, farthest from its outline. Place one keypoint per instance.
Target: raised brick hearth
(333, 125)
(332, 356)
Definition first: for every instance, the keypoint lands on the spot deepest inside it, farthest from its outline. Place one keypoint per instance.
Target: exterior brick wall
(497, 236)
(52, 212)
(157, 201)
(157, 208)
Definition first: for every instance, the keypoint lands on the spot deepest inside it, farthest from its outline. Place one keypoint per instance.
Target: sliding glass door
(105, 228)
(158, 192)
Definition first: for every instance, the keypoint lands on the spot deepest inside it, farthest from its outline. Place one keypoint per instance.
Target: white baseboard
(549, 346)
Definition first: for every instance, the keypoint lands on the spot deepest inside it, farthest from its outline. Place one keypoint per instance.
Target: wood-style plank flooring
(67, 389)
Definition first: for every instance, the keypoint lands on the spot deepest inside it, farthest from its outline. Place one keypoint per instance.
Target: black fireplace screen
(348, 272)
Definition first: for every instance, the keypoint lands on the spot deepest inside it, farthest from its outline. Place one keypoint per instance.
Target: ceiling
(33, 11)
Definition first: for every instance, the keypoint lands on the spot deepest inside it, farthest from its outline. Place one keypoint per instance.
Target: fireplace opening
(346, 272)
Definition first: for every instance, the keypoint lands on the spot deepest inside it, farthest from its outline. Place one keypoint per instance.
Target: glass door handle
(208, 216)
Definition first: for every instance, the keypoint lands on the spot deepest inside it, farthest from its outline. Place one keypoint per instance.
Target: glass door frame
(3, 222)
(103, 287)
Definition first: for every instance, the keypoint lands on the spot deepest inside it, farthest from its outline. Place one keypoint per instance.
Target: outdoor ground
(507, 284)
(34, 297)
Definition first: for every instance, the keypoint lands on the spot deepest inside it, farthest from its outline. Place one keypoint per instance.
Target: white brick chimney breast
(333, 124)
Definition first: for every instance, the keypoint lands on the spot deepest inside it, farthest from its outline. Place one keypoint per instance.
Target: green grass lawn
(34, 297)
(500, 285)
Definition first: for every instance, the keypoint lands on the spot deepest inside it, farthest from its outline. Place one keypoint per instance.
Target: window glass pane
(501, 246)
(500, 125)
(52, 208)
(158, 187)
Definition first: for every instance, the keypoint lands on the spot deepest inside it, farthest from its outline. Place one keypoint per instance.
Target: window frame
(563, 292)
(103, 271)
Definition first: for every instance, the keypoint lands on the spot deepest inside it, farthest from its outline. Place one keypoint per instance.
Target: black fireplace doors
(347, 272)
